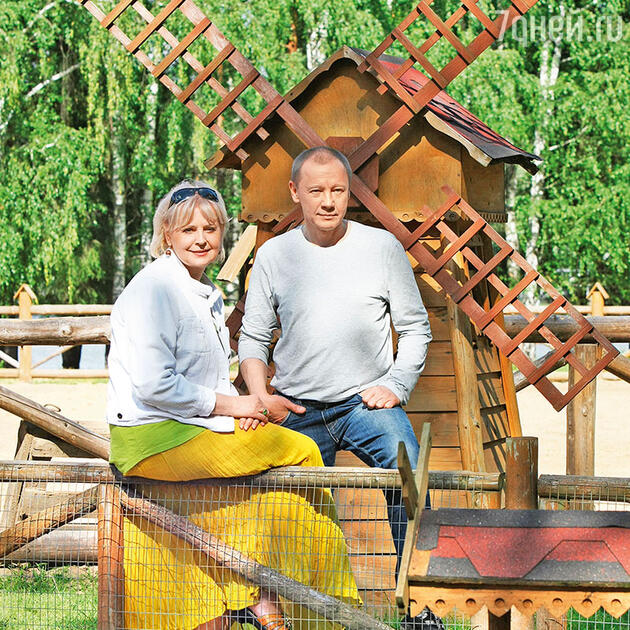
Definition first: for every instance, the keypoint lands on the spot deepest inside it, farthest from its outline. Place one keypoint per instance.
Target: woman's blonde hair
(169, 217)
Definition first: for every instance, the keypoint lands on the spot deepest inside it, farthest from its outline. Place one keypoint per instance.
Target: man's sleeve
(410, 321)
(259, 320)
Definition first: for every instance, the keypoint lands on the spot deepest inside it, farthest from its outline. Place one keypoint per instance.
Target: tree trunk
(550, 58)
(117, 184)
(511, 230)
(147, 209)
(315, 54)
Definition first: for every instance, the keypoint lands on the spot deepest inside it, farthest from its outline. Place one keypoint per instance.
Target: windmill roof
(443, 112)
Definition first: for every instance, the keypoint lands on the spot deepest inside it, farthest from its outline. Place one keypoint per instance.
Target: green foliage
(60, 133)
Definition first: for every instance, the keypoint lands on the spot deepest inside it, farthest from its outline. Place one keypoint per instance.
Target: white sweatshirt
(335, 307)
(169, 350)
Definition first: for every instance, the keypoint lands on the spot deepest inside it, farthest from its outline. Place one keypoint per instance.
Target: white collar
(203, 287)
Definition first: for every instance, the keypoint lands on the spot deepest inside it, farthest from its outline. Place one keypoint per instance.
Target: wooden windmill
(417, 173)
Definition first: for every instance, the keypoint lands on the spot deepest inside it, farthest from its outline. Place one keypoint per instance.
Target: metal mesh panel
(567, 492)
(81, 550)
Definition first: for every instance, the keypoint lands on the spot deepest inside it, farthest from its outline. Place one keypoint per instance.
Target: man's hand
(279, 407)
(379, 397)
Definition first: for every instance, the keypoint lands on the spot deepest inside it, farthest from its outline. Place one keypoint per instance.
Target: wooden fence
(23, 367)
(81, 324)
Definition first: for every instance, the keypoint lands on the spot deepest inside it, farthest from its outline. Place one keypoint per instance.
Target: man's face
(323, 191)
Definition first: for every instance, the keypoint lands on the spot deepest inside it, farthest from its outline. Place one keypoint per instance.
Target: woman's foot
(267, 614)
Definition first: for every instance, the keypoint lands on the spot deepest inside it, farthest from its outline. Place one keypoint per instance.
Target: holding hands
(253, 410)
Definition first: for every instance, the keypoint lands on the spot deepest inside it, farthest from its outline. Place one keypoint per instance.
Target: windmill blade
(438, 79)
(488, 319)
(206, 73)
(412, 104)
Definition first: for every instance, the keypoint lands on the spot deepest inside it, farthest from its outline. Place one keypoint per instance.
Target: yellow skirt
(170, 586)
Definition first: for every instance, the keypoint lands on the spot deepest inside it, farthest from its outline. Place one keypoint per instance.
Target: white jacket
(169, 350)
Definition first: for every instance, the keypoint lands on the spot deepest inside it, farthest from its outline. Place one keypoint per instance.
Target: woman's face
(197, 243)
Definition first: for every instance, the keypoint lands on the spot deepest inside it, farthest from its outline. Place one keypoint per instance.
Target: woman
(172, 410)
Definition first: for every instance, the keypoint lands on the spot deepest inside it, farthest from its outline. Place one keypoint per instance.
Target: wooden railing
(82, 324)
(23, 367)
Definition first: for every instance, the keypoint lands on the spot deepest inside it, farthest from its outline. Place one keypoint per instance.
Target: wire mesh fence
(81, 549)
(571, 492)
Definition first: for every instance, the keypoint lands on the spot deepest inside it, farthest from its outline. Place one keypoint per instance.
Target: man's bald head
(321, 155)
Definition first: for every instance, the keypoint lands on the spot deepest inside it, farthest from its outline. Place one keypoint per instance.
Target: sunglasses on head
(184, 193)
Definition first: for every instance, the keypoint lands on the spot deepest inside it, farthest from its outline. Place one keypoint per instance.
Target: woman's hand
(249, 409)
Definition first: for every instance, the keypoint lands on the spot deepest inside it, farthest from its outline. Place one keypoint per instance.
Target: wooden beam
(316, 477)
(421, 483)
(55, 331)
(53, 422)
(45, 521)
(614, 328)
(468, 407)
(110, 559)
(563, 487)
(239, 255)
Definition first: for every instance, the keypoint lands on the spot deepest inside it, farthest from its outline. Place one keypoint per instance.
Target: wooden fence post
(581, 410)
(25, 297)
(110, 559)
(581, 418)
(597, 296)
(521, 493)
(521, 473)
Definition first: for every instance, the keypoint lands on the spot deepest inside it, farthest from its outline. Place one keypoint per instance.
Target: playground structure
(396, 120)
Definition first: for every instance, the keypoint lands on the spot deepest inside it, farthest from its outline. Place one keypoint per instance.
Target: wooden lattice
(488, 319)
(462, 56)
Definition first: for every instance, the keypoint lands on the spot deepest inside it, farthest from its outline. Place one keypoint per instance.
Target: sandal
(271, 621)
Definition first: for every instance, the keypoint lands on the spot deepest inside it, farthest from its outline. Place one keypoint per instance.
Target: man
(334, 287)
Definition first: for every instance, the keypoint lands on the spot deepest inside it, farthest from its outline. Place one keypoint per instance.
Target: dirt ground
(85, 402)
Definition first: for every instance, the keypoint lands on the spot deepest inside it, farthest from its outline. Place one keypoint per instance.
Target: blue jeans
(371, 434)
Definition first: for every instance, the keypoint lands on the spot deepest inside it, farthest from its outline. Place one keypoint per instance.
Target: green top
(130, 445)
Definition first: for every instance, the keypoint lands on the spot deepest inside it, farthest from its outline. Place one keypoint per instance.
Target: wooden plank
(468, 401)
(239, 255)
(432, 293)
(486, 356)
(439, 360)
(490, 389)
(445, 459)
(115, 13)
(374, 572)
(55, 423)
(204, 74)
(362, 505)
(153, 26)
(230, 98)
(180, 48)
(434, 393)
(368, 537)
(438, 320)
(444, 431)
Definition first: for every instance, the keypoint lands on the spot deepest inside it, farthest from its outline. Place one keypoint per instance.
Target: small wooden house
(466, 391)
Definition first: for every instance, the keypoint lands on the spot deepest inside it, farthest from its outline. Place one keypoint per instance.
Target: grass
(34, 598)
(37, 598)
